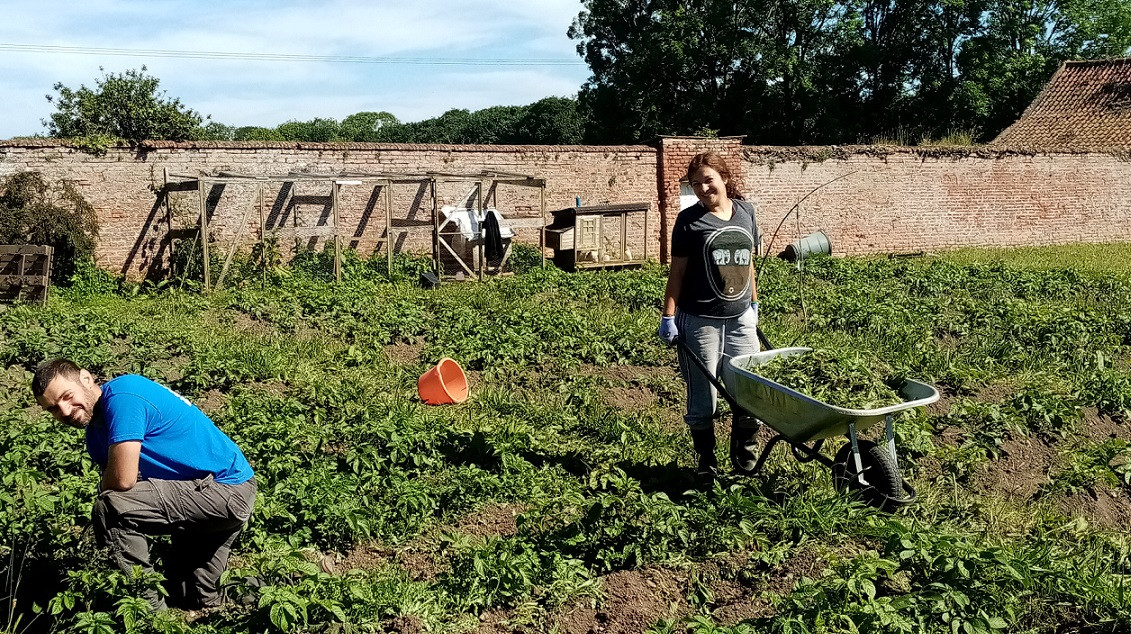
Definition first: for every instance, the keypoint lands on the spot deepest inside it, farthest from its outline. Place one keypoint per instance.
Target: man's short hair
(46, 372)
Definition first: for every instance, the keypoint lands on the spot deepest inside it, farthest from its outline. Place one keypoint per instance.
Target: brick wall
(124, 186)
(675, 154)
(891, 200)
(867, 199)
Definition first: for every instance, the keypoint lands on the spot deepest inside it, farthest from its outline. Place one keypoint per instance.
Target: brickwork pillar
(675, 154)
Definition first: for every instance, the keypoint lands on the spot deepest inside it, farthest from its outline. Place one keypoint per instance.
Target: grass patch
(1099, 258)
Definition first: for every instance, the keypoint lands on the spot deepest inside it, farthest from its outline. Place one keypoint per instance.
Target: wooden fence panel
(25, 272)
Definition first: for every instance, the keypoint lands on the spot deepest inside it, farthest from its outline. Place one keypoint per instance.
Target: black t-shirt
(717, 282)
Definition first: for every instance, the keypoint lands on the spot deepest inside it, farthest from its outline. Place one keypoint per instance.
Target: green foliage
(549, 121)
(316, 381)
(841, 378)
(126, 106)
(91, 279)
(818, 72)
(256, 133)
(32, 211)
(366, 126)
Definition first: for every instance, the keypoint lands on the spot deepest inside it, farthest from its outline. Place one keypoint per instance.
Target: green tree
(1021, 44)
(677, 67)
(551, 121)
(127, 106)
(366, 126)
(317, 130)
(829, 71)
(216, 131)
(256, 133)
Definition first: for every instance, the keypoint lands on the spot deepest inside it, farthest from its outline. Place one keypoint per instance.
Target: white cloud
(249, 92)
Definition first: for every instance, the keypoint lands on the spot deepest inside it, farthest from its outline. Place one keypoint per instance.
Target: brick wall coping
(818, 153)
(304, 145)
(758, 153)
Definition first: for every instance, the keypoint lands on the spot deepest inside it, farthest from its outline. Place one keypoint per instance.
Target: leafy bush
(32, 211)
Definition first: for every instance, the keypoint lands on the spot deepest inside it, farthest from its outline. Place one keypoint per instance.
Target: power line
(279, 57)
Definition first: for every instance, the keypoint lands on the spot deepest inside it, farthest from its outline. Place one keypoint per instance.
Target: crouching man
(166, 470)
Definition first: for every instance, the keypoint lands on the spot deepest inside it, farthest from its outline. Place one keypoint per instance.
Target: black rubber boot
(704, 442)
(743, 447)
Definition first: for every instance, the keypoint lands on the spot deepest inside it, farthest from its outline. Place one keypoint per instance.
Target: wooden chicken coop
(599, 236)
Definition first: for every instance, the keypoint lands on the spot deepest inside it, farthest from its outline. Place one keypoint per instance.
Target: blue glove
(754, 307)
(668, 331)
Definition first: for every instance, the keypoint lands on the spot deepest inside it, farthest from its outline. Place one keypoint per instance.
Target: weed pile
(841, 379)
(559, 496)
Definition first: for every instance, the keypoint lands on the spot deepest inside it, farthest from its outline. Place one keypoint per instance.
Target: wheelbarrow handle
(766, 345)
(716, 381)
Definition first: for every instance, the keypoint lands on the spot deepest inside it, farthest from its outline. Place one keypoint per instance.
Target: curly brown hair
(717, 163)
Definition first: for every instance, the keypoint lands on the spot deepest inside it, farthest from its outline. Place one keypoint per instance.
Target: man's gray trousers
(203, 517)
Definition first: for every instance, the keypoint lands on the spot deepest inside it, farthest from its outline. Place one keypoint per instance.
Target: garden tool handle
(716, 381)
(766, 345)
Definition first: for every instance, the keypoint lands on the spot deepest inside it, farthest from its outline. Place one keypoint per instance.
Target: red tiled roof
(1086, 105)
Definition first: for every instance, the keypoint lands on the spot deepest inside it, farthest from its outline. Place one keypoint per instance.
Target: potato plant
(568, 470)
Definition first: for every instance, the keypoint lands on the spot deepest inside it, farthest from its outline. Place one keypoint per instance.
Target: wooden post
(480, 240)
(542, 229)
(294, 219)
(168, 212)
(646, 236)
(262, 231)
(387, 186)
(623, 236)
(334, 189)
(435, 227)
(201, 186)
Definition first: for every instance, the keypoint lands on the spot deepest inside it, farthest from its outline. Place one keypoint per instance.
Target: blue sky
(256, 92)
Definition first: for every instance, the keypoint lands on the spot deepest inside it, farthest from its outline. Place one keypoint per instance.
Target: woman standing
(711, 303)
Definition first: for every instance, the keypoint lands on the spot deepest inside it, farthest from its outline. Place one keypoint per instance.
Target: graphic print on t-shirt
(727, 261)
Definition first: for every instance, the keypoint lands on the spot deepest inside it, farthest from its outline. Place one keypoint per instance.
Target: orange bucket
(443, 384)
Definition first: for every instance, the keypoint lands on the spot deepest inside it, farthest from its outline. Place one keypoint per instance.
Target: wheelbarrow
(805, 423)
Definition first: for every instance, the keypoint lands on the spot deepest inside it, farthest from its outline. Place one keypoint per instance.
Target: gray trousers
(714, 341)
(203, 517)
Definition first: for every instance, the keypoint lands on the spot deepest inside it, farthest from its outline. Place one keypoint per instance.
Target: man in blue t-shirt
(166, 470)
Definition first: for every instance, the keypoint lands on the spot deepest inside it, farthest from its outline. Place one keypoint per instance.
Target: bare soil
(212, 401)
(491, 520)
(246, 323)
(419, 557)
(405, 624)
(404, 352)
(733, 601)
(1106, 508)
(368, 556)
(805, 562)
(995, 392)
(634, 601)
(1100, 427)
(942, 406)
(1023, 467)
(421, 565)
(493, 622)
(632, 387)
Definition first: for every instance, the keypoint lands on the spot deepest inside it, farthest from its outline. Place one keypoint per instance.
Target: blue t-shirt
(178, 442)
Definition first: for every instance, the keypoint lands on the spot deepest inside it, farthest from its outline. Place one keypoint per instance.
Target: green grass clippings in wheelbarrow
(870, 469)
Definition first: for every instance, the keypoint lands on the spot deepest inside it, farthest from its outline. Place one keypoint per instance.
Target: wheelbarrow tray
(801, 418)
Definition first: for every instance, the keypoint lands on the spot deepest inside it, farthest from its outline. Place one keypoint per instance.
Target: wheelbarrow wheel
(884, 486)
